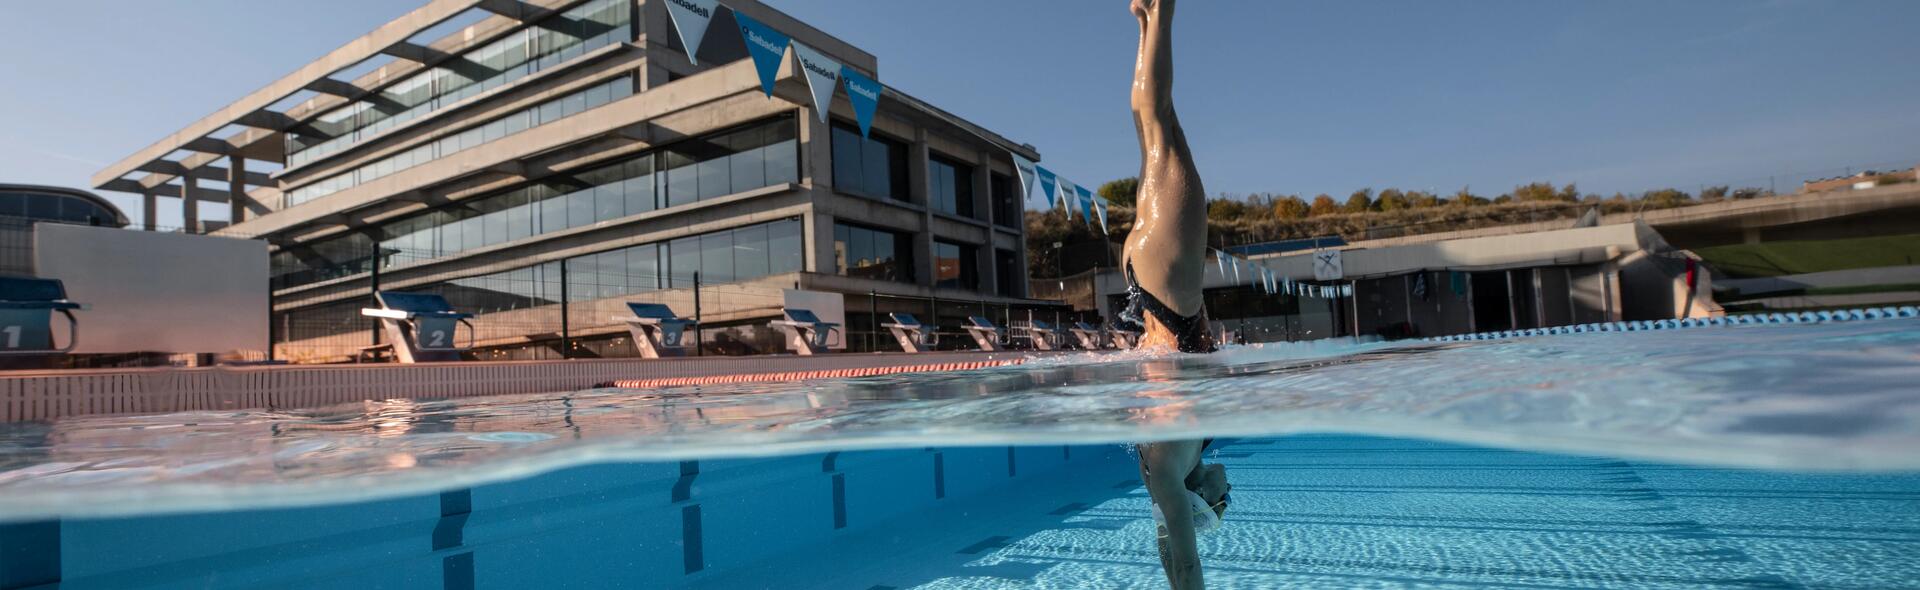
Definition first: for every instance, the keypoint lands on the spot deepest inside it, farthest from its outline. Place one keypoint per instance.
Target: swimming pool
(1745, 456)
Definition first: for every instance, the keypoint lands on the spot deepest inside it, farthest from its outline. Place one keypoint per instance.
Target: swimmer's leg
(1167, 248)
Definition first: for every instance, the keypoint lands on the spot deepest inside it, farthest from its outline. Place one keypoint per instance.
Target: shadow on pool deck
(1341, 511)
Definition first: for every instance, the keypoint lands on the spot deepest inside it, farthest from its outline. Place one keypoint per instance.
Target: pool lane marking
(1010, 470)
(939, 476)
(30, 554)
(827, 465)
(692, 550)
(806, 375)
(449, 532)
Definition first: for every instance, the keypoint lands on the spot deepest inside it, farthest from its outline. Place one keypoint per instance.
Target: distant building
(1863, 180)
(541, 162)
(23, 205)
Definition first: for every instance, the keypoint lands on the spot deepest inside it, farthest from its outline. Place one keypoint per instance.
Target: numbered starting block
(1124, 339)
(1088, 335)
(1043, 335)
(806, 334)
(26, 316)
(656, 331)
(913, 335)
(985, 333)
(420, 327)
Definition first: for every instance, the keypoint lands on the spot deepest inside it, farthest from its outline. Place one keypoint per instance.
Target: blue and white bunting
(864, 93)
(1220, 259)
(1086, 202)
(823, 75)
(1027, 171)
(1100, 208)
(767, 46)
(1047, 182)
(1065, 188)
(691, 19)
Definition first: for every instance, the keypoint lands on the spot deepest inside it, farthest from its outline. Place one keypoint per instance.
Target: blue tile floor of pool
(1360, 512)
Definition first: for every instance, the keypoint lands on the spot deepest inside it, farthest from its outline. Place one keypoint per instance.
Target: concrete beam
(515, 9)
(336, 88)
(416, 53)
(208, 145)
(354, 52)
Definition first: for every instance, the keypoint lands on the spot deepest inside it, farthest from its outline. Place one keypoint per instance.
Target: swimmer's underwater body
(1164, 262)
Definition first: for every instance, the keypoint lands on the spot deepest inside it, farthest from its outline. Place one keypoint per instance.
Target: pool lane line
(1752, 319)
(456, 571)
(692, 535)
(806, 375)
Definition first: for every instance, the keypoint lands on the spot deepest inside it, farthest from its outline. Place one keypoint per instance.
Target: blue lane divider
(1804, 317)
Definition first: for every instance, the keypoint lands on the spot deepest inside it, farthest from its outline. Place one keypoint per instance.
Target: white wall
(158, 292)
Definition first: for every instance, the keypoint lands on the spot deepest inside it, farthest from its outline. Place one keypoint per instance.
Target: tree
(1226, 209)
(1422, 199)
(1666, 198)
(1466, 198)
(1290, 207)
(1503, 199)
(1358, 203)
(1713, 194)
(1748, 193)
(1121, 192)
(1393, 200)
(1324, 205)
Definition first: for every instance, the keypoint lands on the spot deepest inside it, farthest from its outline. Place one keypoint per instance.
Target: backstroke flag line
(690, 18)
(1066, 191)
(1047, 181)
(1086, 202)
(822, 76)
(1025, 168)
(767, 46)
(1100, 207)
(864, 93)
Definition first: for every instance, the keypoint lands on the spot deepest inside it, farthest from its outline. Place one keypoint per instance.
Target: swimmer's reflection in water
(1164, 265)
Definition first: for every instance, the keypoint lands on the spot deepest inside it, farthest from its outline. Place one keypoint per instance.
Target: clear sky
(1278, 96)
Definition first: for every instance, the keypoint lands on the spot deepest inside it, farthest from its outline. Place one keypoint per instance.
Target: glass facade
(954, 267)
(950, 186)
(550, 42)
(872, 253)
(871, 166)
(1007, 208)
(756, 155)
(51, 207)
(535, 116)
(528, 300)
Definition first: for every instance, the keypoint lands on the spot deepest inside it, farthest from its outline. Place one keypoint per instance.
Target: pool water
(1745, 456)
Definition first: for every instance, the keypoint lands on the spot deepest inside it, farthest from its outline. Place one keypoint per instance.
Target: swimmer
(1164, 262)
(1166, 253)
(1188, 496)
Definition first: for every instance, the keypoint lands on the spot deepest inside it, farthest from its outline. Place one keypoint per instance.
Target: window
(871, 166)
(559, 38)
(1006, 272)
(950, 186)
(872, 253)
(953, 266)
(1006, 202)
(742, 159)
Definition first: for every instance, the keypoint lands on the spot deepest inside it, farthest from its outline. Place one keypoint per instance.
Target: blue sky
(1278, 96)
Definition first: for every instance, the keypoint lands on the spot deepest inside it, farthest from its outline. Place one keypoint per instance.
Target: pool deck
(51, 394)
(1359, 512)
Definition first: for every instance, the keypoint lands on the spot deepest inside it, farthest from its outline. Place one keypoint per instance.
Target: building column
(149, 209)
(236, 189)
(189, 205)
(918, 189)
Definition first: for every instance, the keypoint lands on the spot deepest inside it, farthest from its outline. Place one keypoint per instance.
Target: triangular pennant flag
(1236, 267)
(1100, 207)
(1026, 169)
(767, 46)
(1047, 182)
(1269, 273)
(1220, 259)
(864, 93)
(690, 18)
(823, 74)
(1086, 202)
(1066, 199)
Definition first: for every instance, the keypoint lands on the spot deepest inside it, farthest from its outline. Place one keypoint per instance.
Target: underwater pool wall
(613, 525)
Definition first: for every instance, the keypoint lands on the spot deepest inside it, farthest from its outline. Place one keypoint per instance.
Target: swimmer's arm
(1179, 552)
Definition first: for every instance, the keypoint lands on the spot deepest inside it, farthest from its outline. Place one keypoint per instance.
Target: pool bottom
(1309, 511)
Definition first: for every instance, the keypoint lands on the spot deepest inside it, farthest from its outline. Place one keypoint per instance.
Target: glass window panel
(714, 179)
(785, 249)
(639, 185)
(598, 95)
(449, 239)
(683, 259)
(553, 215)
(519, 217)
(716, 257)
(643, 268)
(494, 227)
(842, 248)
(609, 201)
(750, 258)
(879, 171)
(749, 161)
(517, 122)
(781, 164)
(472, 233)
(580, 208)
(682, 183)
(848, 164)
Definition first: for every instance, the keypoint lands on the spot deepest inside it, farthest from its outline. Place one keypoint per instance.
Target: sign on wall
(1327, 267)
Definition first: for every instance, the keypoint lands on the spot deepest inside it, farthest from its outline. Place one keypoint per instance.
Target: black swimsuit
(1189, 332)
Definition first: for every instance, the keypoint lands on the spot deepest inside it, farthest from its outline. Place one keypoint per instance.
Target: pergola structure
(218, 147)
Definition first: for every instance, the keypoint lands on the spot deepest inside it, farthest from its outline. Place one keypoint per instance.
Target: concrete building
(23, 205)
(540, 162)
(1507, 282)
